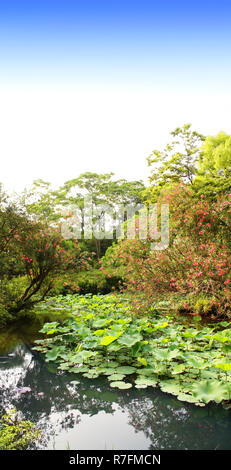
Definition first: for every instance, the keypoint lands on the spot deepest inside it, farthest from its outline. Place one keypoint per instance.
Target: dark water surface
(91, 415)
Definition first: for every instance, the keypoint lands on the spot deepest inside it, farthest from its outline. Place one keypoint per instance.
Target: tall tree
(214, 171)
(178, 162)
(104, 192)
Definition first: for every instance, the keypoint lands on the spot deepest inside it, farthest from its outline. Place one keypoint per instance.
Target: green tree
(177, 163)
(103, 191)
(32, 249)
(214, 169)
(42, 202)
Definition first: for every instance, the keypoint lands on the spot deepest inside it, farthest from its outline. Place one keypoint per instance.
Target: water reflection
(89, 415)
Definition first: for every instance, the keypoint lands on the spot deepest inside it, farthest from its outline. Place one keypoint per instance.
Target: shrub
(15, 433)
(93, 281)
(197, 260)
(43, 257)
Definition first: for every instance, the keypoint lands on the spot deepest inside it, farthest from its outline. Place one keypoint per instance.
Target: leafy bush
(197, 305)
(197, 260)
(16, 433)
(39, 252)
(5, 315)
(93, 281)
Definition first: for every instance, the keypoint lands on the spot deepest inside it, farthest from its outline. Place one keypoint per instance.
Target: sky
(98, 85)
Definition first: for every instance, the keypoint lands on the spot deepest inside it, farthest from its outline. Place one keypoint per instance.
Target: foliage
(102, 337)
(68, 201)
(35, 250)
(214, 169)
(177, 163)
(16, 433)
(94, 281)
(13, 221)
(204, 163)
(197, 260)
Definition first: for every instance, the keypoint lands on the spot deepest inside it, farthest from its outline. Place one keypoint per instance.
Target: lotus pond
(96, 377)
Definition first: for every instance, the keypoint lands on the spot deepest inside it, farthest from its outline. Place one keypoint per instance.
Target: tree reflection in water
(57, 405)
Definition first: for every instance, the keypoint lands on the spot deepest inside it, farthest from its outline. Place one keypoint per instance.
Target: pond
(89, 415)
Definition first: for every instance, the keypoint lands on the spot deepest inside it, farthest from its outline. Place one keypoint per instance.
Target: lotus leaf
(129, 340)
(108, 340)
(126, 370)
(146, 371)
(116, 377)
(178, 369)
(146, 381)
(224, 366)
(186, 397)
(101, 323)
(107, 370)
(142, 360)
(171, 386)
(209, 390)
(121, 385)
(54, 353)
(91, 375)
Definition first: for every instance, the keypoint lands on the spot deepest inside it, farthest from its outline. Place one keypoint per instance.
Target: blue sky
(96, 86)
(136, 41)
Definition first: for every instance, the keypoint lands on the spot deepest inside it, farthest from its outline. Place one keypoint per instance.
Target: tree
(33, 249)
(177, 163)
(104, 192)
(214, 169)
(43, 203)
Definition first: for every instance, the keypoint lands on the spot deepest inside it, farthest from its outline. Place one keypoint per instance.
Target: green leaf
(161, 325)
(129, 340)
(207, 391)
(126, 370)
(108, 340)
(84, 354)
(221, 337)
(91, 375)
(50, 328)
(186, 397)
(166, 354)
(170, 386)
(107, 370)
(196, 362)
(121, 385)
(226, 366)
(149, 381)
(147, 372)
(178, 369)
(142, 360)
(112, 364)
(101, 323)
(54, 353)
(99, 332)
(116, 377)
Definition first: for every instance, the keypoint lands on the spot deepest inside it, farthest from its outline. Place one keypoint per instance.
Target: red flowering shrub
(37, 252)
(45, 256)
(197, 260)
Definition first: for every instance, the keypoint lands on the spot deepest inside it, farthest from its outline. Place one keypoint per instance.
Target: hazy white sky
(97, 89)
(56, 133)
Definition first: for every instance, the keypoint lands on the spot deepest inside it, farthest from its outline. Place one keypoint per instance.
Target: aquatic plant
(102, 337)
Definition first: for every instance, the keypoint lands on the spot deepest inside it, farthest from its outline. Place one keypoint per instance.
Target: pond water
(90, 415)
